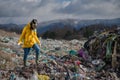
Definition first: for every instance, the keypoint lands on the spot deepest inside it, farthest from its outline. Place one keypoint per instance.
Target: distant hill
(11, 27)
(65, 28)
(76, 23)
(75, 28)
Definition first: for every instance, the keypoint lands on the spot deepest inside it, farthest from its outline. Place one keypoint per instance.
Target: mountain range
(76, 23)
(62, 24)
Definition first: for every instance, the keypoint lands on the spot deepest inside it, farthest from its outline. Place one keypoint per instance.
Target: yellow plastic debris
(43, 77)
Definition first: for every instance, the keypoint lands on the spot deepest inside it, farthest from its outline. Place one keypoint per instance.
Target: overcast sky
(22, 11)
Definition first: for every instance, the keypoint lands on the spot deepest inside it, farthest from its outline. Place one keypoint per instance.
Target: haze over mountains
(75, 23)
(66, 25)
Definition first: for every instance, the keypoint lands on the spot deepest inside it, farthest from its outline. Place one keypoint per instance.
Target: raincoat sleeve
(36, 38)
(22, 35)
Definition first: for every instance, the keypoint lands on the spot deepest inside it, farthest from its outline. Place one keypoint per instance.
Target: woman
(30, 40)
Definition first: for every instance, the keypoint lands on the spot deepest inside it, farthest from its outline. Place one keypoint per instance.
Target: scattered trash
(94, 59)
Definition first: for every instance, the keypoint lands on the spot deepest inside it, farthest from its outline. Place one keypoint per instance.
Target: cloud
(30, 0)
(91, 7)
(18, 10)
(66, 3)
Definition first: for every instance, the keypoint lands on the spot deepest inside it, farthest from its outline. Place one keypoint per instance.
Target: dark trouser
(27, 50)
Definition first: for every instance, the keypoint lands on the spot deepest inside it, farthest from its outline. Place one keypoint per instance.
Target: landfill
(96, 58)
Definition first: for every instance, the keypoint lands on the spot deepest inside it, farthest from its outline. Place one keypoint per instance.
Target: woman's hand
(19, 43)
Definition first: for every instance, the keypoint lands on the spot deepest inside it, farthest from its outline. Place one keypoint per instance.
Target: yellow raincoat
(28, 37)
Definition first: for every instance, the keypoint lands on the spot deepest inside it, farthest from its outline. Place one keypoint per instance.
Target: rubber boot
(25, 63)
(37, 61)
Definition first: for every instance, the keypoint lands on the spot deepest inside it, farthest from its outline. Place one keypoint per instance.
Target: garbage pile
(64, 60)
(104, 50)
